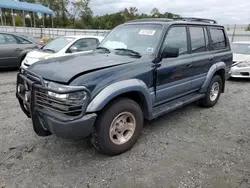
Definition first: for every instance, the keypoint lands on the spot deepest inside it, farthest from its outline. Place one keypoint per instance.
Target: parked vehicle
(62, 46)
(13, 49)
(141, 70)
(241, 60)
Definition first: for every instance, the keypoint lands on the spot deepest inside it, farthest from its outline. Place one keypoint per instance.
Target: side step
(177, 103)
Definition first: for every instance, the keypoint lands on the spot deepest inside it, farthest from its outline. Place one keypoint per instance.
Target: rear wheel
(213, 92)
(118, 127)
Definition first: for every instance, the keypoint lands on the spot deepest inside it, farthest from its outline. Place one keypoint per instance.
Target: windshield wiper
(130, 51)
(50, 50)
(103, 48)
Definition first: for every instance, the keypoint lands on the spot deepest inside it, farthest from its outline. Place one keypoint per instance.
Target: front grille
(67, 107)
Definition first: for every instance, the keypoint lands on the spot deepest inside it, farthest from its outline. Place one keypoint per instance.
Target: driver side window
(177, 36)
(7, 39)
(86, 44)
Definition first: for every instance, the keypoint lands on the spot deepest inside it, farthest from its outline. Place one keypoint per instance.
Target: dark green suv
(141, 70)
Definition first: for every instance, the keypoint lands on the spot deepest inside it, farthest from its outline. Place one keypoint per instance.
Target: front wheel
(213, 92)
(118, 127)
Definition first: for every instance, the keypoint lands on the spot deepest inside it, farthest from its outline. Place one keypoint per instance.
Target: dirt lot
(191, 147)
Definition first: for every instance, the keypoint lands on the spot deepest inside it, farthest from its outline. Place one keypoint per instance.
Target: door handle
(189, 65)
(18, 49)
(211, 59)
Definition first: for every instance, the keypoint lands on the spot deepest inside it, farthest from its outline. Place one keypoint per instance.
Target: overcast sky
(224, 11)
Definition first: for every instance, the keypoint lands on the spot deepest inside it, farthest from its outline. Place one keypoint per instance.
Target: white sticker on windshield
(147, 32)
(150, 50)
(115, 44)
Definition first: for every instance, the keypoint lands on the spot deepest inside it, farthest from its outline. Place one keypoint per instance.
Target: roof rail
(151, 19)
(191, 19)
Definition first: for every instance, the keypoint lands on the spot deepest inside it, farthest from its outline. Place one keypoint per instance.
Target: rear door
(203, 58)
(9, 51)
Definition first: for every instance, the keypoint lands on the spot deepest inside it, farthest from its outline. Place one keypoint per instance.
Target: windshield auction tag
(147, 32)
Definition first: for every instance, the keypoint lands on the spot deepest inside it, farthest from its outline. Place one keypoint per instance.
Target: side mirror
(170, 52)
(73, 49)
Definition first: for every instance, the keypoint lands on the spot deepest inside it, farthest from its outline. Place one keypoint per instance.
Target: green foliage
(78, 14)
(248, 28)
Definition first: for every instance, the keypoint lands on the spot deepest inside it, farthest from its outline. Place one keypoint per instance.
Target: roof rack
(151, 19)
(191, 19)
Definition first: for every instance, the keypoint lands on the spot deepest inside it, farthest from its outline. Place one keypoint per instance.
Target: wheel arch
(22, 56)
(216, 69)
(134, 89)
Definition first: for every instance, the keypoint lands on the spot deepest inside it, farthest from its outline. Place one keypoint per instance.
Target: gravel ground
(191, 147)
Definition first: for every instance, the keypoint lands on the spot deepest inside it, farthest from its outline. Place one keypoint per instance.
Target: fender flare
(119, 88)
(210, 74)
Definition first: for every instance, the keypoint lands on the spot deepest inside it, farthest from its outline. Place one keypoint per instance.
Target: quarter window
(197, 39)
(218, 39)
(177, 36)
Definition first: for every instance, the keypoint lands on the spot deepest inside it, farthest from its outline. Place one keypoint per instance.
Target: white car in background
(241, 60)
(62, 46)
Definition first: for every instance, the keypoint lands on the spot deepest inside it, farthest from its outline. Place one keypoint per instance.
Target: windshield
(57, 44)
(137, 37)
(241, 48)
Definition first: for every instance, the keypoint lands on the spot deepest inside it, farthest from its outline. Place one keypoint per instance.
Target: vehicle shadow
(8, 70)
(163, 123)
(242, 80)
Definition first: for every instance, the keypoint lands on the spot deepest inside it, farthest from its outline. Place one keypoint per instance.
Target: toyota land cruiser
(141, 70)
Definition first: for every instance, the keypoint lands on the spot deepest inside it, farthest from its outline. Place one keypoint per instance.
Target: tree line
(78, 14)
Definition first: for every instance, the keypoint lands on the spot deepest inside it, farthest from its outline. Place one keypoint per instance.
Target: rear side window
(23, 41)
(218, 39)
(198, 41)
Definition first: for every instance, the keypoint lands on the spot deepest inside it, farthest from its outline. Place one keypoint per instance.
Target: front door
(174, 75)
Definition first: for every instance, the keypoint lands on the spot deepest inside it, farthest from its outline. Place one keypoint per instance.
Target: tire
(23, 57)
(210, 101)
(107, 138)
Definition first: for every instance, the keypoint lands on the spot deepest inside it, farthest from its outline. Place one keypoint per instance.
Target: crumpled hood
(62, 69)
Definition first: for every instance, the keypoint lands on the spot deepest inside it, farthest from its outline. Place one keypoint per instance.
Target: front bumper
(240, 72)
(46, 121)
(77, 128)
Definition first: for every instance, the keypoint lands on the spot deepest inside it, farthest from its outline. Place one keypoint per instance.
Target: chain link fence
(52, 32)
(235, 32)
